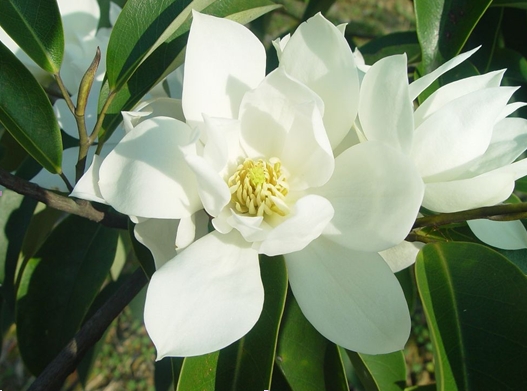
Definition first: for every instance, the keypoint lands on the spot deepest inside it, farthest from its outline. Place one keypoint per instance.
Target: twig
(69, 358)
(81, 208)
(505, 212)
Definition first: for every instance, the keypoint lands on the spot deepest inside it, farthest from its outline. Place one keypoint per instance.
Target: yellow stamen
(259, 187)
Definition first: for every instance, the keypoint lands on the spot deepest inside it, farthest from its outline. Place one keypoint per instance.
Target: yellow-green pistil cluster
(259, 187)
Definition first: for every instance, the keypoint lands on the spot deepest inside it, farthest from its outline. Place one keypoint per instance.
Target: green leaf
(58, 286)
(383, 372)
(516, 73)
(395, 43)
(475, 302)
(510, 3)
(486, 34)
(169, 56)
(15, 215)
(443, 27)
(199, 373)
(36, 26)
(517, 257)
(248, 364)
(141, 27)
(303, 354)
(26, 112)
(163, 373)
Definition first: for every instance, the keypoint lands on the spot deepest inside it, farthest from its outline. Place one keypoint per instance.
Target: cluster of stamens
(259, 187)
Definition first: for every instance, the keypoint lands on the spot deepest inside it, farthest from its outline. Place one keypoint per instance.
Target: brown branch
(81, 208)
(505, 212)
(69, 358)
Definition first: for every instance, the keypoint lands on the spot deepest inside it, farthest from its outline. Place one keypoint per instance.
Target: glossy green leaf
(15, 215)
(510, 3)
(141, 27)
(199, 373)
(248, 364)
(169, 56)
(26, 113)
(383, 372)
(395, 43)
(443, 27)
(518, 257)
(302, 354)
(516, 73)
(475, 302)
(407, 281)
(36, 26)
(58, 285)
(163, 373)
(487, 35)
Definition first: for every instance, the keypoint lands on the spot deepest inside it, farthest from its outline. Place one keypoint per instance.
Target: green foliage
(26, 112)
(307, 360)
(443, 27)
(58, 285)
(475, 302)
(36, 26)
(383, 372)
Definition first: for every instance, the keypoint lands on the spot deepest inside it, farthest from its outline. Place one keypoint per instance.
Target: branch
(69, 358)
(505, 212)
(81, 208)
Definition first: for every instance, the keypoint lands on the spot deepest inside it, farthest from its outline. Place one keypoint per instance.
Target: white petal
(385, 109)
(159, 236)
(319, 56)
(279, 45)
(252, 228)
(223, 61)
(402, 255)
(376, 192)
(508, 235)
(282, 118)
(146, 174)
(159, 107)
(213, 190)
(509, 109)
(115, 11)
(306, 222)
(455, 90)
(79, 17)
(484, 190)
(175, 82)
(87, 188)
(351, 298)
(509, 141)
(458, 133)
(192, 228)
(216, 134)
(423, 82)
(204, 299)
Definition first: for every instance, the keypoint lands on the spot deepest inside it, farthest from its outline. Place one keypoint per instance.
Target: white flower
(460, 138)
(256, 153)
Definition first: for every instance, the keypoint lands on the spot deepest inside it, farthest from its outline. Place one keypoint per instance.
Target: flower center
(259, 187)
